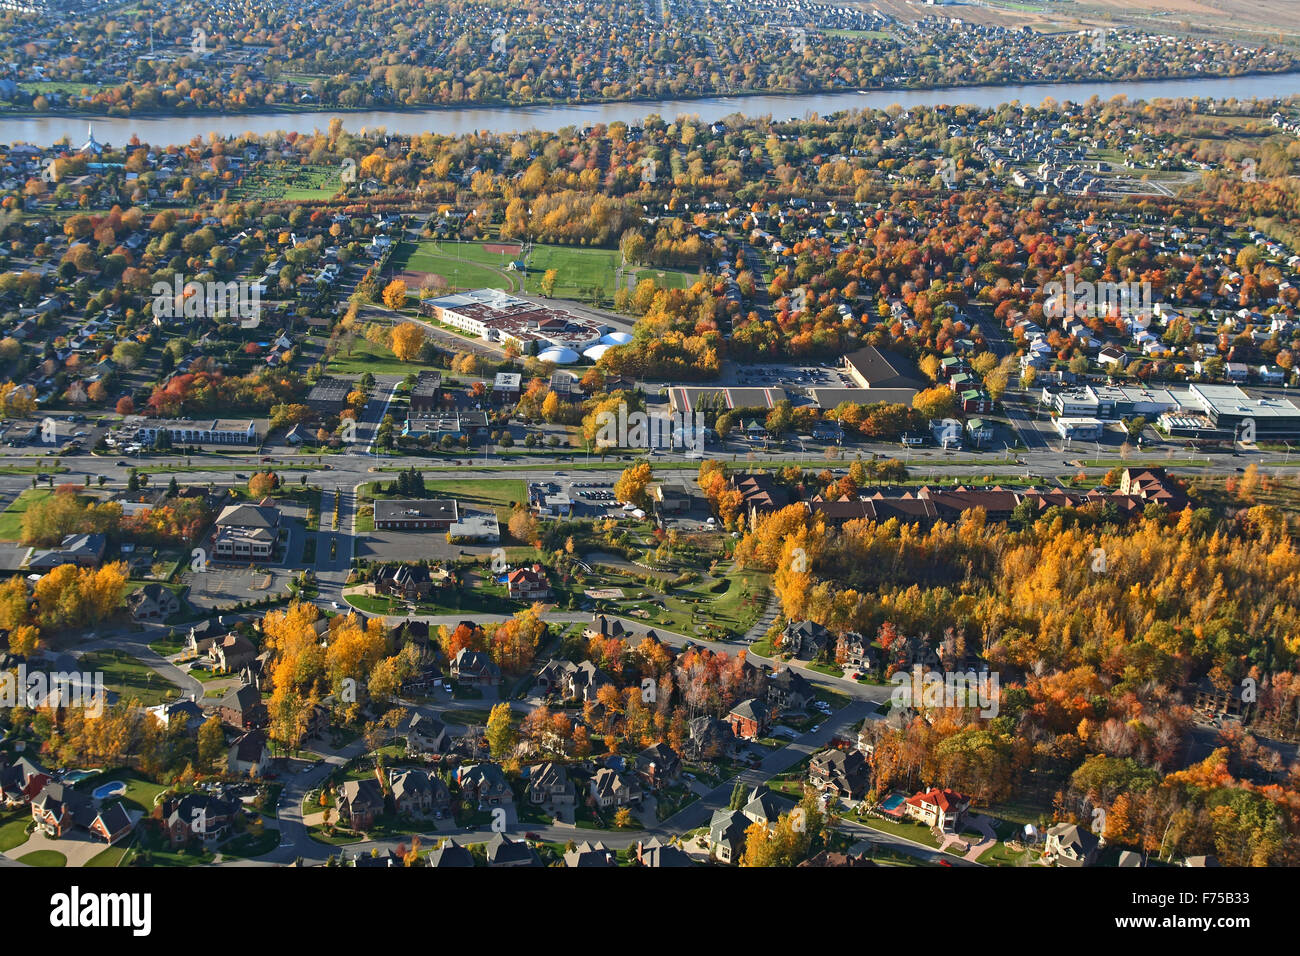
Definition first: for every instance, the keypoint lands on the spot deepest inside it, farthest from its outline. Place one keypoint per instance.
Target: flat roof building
(405, 514)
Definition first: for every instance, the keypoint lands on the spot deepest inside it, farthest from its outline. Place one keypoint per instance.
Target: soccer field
(463, 265)
(578, 271)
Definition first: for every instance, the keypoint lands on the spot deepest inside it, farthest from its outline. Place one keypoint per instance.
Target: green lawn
(376, 359)
(11, 519)
(13, 829)
(496, 493)
(288, 182)
(730, 603)
(44, 858)
(463, 265)
(128, 678)
(578, 270)
(109, 858)
(141, 793)
(668, 278)
(908, 831)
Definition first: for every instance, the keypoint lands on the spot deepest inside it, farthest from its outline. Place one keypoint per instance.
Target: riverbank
(297, 109)
(455, 121)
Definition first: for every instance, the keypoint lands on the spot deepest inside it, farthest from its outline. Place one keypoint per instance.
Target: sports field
(455, 265)
(450, 266)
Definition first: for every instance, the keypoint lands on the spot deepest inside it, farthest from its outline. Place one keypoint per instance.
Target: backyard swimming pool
(114, 788)
(892, 803)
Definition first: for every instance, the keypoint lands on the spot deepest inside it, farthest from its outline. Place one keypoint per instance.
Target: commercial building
(246, 533)
(218, 431)
(1078, 429)
(401, 514)
(1231, 411)
(500, 317)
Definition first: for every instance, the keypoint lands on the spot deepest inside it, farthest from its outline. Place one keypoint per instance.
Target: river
(44, 130)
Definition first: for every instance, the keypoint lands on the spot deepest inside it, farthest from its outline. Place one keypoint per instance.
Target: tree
(623, 817)
(523, 526)
(936, 402)
(262, 484)
(212, 745)
(633, 485)
(501, 735)
(395, 294)
(407, 341)
(549, 278)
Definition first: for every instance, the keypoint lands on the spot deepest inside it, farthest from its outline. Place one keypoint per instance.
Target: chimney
(639, 847)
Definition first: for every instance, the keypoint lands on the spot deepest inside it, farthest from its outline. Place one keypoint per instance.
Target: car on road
(122, 464)
(241, 477)
(530, 835)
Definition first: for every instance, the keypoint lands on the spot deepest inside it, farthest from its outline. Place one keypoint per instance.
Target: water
(45, 130)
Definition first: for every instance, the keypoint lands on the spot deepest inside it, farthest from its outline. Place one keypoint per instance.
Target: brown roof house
(359, 802)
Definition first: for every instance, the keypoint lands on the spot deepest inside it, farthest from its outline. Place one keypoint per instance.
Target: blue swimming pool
(892, 802)
(114, 788)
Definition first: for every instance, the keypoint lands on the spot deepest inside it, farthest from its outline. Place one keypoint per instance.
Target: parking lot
(791, 376)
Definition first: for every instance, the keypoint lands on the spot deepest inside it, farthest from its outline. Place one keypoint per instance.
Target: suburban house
(359, 802)
(1068, 844)
(572, 681)
(21, 781)
(411, 582)
(419, 793)
(484, 784)
(503, 851)
(82, 550)
(57, 809)
(153, 602)
(450, 854)
(474, 667)
(805, 639)
(426, 735)
(843, 773)
(710, 737)
(658, 766)
(590, 854)
(231, 653)
(198, 815)
(855, 650)
(249, 756)
(657, 854)
(550, 783)
(242, 708)
(788, 690)
(727, 835)
(528, 584)
(112, 823)
(942, 809)
(748, 719)
(185, 709)
(763, 805)
(609, 788)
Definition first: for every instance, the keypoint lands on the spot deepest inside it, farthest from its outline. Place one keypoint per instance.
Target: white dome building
(595, 352)
(558, 355)
(615, 338)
